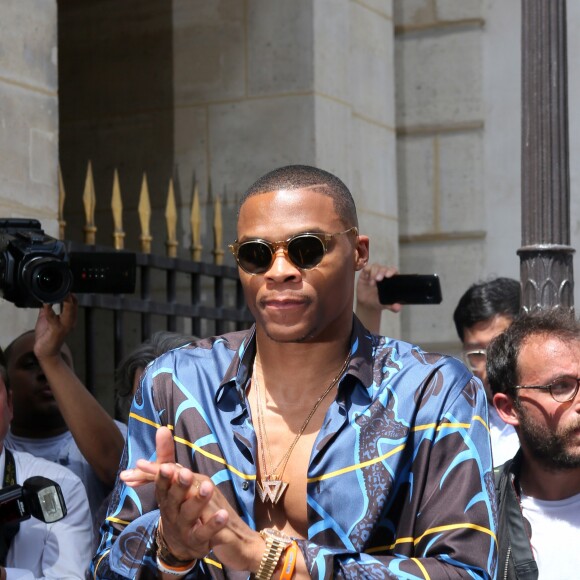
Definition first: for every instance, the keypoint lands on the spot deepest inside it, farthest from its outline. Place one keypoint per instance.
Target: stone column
(28, 127)
(546, 255)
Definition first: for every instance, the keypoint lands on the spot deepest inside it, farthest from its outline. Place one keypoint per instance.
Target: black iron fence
(172, 293)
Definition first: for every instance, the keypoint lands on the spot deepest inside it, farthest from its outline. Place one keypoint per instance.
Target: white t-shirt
(555, 536)
(54, 551)
(63, 450)
(504, 439)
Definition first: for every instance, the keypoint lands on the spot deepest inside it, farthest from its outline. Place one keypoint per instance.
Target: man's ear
(361, 252)
(504, 405)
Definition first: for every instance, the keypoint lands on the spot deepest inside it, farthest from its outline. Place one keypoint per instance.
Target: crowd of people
(309, 445)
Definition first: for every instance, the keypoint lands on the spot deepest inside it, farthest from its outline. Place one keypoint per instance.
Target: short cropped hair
(487, 299)
(503, 372)
(303, 176)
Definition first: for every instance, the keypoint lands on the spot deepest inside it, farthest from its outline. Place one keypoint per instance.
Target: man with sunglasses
(483, 312)
(533, 370)
(306, 446)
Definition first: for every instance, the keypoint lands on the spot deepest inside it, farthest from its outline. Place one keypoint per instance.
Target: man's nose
(282, 266)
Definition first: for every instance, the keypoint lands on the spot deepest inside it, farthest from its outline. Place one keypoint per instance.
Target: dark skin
(36, 412)
(303, 325)
(49, 398)
(368, 308)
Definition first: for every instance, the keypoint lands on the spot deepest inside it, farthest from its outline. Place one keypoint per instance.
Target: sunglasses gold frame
(275, 246)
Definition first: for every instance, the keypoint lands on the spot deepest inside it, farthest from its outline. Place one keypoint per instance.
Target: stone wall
(224, 91)
(458, 109)
(28, 125)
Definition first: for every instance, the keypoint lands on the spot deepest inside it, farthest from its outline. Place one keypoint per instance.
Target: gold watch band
(274, 548)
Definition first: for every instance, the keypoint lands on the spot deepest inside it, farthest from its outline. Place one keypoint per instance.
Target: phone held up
(410, 289)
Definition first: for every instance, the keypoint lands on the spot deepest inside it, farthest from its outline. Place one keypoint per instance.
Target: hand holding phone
(410, 289)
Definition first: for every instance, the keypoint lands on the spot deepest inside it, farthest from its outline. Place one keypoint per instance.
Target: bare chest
(284, 451)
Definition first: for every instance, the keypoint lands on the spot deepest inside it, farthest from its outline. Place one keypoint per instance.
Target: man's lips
(284, 303)
(46, 393)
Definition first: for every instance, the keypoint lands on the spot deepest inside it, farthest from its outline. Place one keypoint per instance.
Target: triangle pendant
(271, 490)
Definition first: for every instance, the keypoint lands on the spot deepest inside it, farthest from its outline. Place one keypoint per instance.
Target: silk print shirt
(399, 482)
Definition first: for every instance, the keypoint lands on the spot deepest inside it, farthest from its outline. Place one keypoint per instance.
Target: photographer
(55, 416)
(34, 549)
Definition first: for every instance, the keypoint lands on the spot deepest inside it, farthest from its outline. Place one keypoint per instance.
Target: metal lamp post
(546, 255)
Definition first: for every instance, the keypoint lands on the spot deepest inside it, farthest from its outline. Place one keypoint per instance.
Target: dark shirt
(399, 482)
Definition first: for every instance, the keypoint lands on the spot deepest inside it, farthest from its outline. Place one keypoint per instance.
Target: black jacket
(516, 561)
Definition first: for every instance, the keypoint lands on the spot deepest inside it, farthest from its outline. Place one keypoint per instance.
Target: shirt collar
(360, 366)
(361, 360)
(239, 370)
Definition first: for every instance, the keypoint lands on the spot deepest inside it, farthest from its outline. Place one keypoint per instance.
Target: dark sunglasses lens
(254, 257)
(306, 251)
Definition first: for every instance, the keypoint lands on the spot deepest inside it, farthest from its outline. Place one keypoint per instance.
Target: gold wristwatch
(276, 543)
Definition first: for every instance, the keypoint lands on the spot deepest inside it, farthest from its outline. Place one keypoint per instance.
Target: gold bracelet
(276, 543)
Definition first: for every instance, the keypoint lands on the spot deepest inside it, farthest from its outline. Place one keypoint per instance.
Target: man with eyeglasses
(534, 372)
(306, 446)
(484, 311)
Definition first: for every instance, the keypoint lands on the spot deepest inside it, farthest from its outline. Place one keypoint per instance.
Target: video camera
(38, 497)
(36, 269)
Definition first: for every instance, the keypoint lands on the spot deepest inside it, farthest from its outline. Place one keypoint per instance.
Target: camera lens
(49, 280)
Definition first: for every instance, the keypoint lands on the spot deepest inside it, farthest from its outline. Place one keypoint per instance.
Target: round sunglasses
(305, 251)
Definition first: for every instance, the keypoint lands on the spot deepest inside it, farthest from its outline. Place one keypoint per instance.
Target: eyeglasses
(475, 359)
(305, 251)
(562, 390)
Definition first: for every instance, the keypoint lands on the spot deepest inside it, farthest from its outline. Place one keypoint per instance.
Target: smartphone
(410, 289)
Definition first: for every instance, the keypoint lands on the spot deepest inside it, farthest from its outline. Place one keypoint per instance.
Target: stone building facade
(415, 104)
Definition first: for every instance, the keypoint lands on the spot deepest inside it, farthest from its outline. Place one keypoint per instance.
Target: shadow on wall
(116, 106)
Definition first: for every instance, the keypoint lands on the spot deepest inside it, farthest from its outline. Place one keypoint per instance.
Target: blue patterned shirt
(399, 483)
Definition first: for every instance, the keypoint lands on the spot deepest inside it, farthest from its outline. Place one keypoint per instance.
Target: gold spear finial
(117, 208)
(89, 203)
(144, 210)
(195, 220)
(171, 222)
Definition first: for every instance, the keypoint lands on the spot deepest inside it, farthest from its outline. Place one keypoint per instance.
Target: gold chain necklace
(272, 487)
